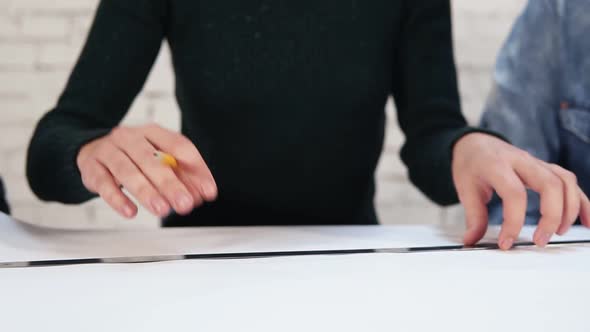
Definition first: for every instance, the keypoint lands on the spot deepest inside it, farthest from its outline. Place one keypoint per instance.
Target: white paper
(467, 291)
(24, 242)
(522, 290)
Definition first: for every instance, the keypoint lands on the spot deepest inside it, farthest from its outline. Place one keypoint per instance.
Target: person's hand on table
(483, 164)
(125, 158)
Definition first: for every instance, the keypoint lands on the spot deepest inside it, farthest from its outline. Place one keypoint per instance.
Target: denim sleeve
(524, 100)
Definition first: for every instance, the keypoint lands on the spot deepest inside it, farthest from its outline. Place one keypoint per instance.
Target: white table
(523, 290)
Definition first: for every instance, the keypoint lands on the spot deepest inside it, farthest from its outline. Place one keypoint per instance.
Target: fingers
(98, 180)
(551, 190)
(561, 199)
(474, 199)
(188, 157)
(126, 172)
(514, 201)
(572, 199)
(125, 157)
(510, 171)
(162, 177)
(584, 209)
(189, 183)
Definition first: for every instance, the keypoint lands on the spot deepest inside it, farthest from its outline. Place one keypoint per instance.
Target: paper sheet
(522, 290)
(23, 242)
(475, 291)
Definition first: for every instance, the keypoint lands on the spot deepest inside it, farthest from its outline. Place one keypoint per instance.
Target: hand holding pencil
(162, 169)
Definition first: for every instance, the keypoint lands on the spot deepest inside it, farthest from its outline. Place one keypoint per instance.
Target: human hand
(125, 157)
(483, 164)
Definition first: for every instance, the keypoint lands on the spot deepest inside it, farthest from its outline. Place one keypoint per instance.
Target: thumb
(474, 202)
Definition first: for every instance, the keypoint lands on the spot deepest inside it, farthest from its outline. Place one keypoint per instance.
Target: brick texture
(39, 43)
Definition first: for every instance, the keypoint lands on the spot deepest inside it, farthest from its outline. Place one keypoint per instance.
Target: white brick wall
(40, 40)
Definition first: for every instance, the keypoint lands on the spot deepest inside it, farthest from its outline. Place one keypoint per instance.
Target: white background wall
(39, 43)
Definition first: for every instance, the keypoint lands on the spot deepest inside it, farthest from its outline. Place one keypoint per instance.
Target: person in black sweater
(3, 204)
(282, 117)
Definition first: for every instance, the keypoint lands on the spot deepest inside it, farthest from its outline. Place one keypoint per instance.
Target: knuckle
(94, 178)
(524, 155)
(90, 181)
(84, 165)
(105, 149)
(184, 141)
(182, 146)
(112, 197)
(571, 177)
(85, 154)
(122, 134)
(567, 175)
(117, 133)
(144, 191)
(553, 182)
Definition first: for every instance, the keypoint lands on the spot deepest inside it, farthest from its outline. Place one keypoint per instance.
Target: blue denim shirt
(541, 96)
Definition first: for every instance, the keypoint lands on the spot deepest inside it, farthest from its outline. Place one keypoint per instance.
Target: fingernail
(128, 211)
(562, 230)
(183, 201)
(159, 206)
(209, 189)
(506, 243)
(543, 239)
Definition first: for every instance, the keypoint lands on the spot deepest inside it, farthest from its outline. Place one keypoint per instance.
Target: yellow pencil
(166, 159)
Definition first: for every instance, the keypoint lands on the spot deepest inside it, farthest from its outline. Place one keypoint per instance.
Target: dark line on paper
(271, 254)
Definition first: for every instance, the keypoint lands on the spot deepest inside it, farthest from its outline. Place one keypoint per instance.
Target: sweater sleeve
(427, 99)
(3, 204)
(120, 50)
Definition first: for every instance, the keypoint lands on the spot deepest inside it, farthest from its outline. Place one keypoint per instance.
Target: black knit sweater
(284, 99)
